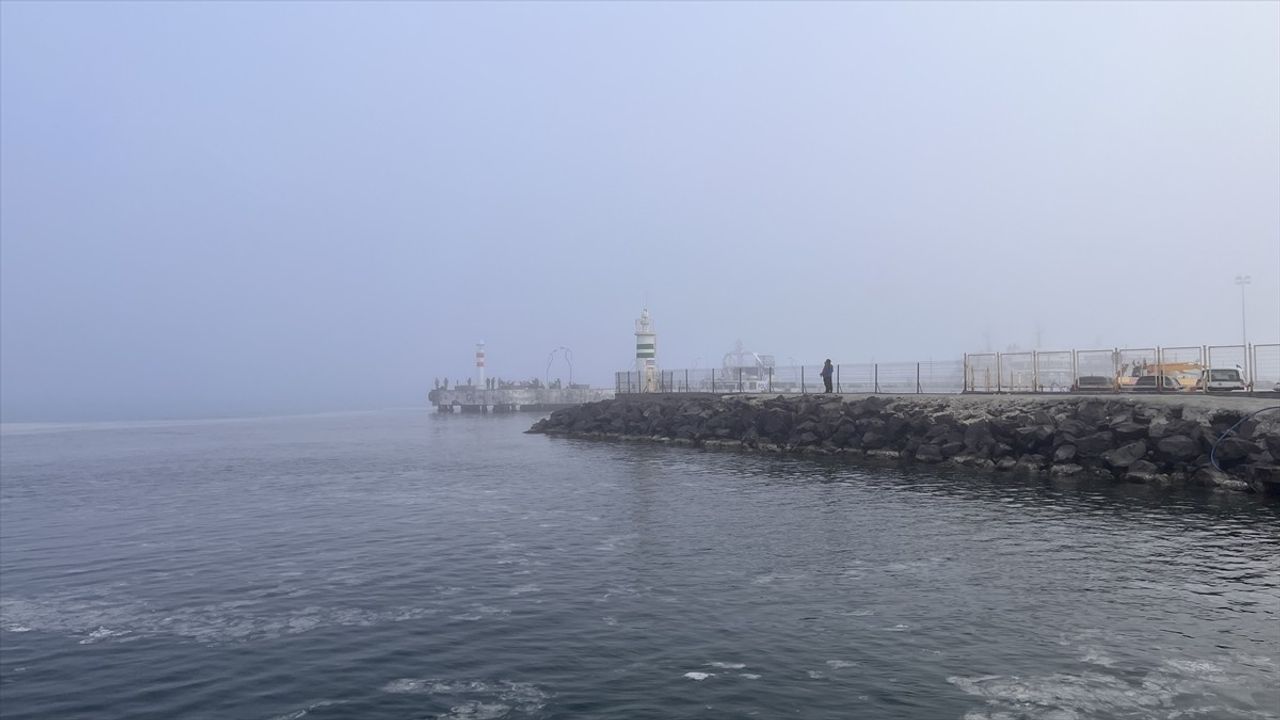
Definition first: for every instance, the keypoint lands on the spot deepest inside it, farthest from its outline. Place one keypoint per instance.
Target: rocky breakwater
(1161, 440)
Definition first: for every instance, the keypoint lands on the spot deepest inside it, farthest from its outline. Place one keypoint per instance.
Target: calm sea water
(404, 565)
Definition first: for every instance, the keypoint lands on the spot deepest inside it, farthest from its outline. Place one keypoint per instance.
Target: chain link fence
(1102, 370)
(1266, 367)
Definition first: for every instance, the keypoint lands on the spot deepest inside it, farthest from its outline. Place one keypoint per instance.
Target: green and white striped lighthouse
(646, 353)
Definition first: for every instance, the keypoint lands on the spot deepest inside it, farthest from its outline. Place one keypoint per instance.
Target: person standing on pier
(827, 370)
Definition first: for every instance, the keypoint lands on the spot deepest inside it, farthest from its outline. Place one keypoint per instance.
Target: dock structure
(472, 399)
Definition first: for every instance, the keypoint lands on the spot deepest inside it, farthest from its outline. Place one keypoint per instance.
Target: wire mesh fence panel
(896, 377)
(785, 379)
(1054, 371)
(942, 376)
(856, 378)
(1266, 367)
(1133, 363)
(982, 372)
(1228, 356)
(698, 380)
(624, 383)
(813, 380)
(1095, 370)
(1184, 364)
(1017, 372)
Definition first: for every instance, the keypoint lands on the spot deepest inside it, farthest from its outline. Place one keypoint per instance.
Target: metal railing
(1118, 369)
(1055, 371)
(945, 376)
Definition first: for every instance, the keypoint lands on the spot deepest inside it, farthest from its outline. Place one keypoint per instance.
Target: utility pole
(1243, 280)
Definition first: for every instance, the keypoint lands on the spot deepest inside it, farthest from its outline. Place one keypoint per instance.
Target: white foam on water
(475, 699)
(610, 621)
(816, 675)
(18, 628)
(304, 711)
(1201, 669)
(491, 610)
(525, 589)
(1178, 688)
(749, 676)
(699, 676)
(899, 628)
(103, 633)
(1096, 656)
(727, 665)
(465, 618)
(111, 615)
(771, 578)
(840, 664)
(476, 710)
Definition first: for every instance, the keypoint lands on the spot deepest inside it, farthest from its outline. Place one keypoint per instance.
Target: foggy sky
(224, 208)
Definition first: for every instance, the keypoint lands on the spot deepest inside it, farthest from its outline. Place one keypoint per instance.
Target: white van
(1222, 380)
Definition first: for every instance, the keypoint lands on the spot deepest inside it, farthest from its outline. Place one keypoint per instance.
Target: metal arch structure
(740, 357)
(564, 352)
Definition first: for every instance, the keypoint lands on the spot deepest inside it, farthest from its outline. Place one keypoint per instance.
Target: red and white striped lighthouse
(480, 361)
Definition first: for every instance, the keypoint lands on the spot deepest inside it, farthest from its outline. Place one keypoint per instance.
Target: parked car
(1093, 383)
(1221, 380)
(1147, 383)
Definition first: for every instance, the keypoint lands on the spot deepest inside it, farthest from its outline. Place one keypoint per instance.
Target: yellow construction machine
(1187, 374)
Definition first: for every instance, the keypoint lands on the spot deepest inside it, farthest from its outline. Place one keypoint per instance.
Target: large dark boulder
(1032, 462)
(1177, 448)
(1129, 430)
(1115, 421)
(1144, 471)
(895, 427)
(1064, 454)
(1272, 442)
(1232, 450)
(803, 439)
(977, 435)
(846, 433)
(1092, 412)
(1073, 427)
(1094, 445)
(928, 453)
(1224, 420)
(1158, 427)
(951, 449)
(1032, 438)
(871, 424)
(1125, 455)
(774, 423)
(1215, 478)
(872, 440)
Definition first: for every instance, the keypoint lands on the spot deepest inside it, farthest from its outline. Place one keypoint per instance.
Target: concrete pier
(470, 399)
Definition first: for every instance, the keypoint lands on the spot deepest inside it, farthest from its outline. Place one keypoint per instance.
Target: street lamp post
(1243, 280)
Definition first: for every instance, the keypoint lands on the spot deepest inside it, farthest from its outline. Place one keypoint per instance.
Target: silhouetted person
(827, 370)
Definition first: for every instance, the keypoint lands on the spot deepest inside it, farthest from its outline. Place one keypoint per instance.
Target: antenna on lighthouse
(646, 353)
